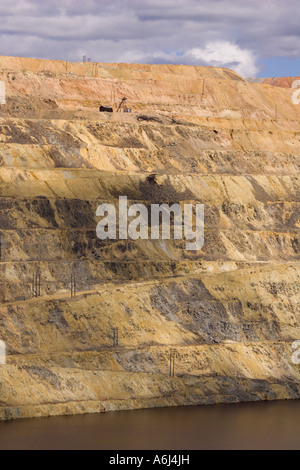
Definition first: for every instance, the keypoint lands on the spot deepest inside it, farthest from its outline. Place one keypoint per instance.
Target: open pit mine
(90, 325)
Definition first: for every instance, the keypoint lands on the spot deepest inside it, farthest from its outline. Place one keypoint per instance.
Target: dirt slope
(231, 310)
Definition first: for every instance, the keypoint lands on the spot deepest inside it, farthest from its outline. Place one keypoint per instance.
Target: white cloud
(231, 33)
(227, 54)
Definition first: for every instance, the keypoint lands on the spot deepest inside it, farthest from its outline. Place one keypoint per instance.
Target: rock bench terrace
(90, 325)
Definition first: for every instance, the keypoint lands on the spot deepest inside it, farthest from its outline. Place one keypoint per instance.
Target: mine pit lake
(265, 425)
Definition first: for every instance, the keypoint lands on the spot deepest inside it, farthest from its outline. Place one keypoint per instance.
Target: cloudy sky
(254, 37)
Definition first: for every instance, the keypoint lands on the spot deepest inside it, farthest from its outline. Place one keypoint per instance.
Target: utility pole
(36, 283)
(115, 337)
(113, 97)
(73, 285)
(172, 362)
(203, 89)
(1, 248)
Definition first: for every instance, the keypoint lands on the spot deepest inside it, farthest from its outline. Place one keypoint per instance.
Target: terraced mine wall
(93, 325)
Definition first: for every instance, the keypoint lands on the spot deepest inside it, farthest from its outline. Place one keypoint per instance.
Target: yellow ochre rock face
(230, 312)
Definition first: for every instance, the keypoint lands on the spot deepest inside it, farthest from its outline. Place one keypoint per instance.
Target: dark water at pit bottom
(243, 426)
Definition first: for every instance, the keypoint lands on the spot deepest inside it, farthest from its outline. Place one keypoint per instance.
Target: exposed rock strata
(231, 311)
